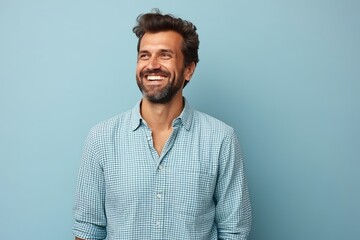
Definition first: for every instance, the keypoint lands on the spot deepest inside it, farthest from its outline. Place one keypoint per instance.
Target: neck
(159, 117)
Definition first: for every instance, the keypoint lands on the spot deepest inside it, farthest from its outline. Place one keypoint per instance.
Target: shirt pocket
(193, 193)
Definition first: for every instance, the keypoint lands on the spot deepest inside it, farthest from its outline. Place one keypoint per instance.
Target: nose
(153, 63)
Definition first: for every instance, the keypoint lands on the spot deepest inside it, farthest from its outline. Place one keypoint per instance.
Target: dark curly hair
(157, 22)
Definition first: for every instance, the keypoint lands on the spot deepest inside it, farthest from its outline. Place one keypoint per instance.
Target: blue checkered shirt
(195, 189)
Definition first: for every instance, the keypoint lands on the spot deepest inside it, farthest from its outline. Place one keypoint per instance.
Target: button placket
(159, 202)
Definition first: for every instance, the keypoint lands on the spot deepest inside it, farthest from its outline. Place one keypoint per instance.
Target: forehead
(161, 40)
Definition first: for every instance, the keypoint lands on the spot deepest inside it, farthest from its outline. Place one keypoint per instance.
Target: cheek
(138, 69)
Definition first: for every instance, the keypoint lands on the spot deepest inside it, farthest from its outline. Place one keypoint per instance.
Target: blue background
(285, 74)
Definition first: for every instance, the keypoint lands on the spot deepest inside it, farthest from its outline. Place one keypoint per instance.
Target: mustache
(156, 71)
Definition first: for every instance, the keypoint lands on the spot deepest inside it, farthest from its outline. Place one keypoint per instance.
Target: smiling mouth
(155, 77)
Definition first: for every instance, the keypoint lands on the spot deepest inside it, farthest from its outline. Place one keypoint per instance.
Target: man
(162, 170)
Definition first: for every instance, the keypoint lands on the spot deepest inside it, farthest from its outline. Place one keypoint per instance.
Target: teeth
(152, 78)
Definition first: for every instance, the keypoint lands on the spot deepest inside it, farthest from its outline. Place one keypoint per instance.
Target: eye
(165, 55)
(143, 56)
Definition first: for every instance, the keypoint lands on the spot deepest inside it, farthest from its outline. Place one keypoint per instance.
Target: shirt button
(158, 223)
(161, 167)
(159, 195)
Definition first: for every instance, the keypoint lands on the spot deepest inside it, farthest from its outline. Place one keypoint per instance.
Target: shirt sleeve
(89, 213)
(233, 209)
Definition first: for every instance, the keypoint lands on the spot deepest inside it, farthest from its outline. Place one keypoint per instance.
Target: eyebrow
(161, 50)
(166, 51)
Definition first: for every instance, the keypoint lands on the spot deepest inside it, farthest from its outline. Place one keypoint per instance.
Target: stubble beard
(163, 95)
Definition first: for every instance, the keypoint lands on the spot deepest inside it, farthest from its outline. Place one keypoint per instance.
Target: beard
(160, 95)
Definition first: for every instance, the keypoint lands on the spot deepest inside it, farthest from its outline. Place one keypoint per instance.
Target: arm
(233, 210)
(89, 213)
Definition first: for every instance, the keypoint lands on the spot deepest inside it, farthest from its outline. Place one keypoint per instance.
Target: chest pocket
(192, 192)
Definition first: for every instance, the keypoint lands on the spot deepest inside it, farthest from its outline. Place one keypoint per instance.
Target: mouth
(155, 77)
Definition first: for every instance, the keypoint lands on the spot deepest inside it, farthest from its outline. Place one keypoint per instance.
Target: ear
(189, 71)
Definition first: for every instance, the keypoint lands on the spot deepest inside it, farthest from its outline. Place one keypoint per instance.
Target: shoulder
(210, 124)
(108, 127)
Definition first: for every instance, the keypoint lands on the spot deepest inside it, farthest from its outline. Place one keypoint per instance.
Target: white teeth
(152, 78)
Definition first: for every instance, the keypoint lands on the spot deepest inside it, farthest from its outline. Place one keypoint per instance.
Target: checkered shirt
(195, 189)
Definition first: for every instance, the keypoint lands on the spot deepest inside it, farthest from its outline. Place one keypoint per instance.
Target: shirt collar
(136, 116)
(185, 118)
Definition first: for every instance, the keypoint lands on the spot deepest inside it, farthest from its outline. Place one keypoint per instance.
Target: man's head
(167, 55)
(156, 22)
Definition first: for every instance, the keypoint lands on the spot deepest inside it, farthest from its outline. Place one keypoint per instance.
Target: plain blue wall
(285, 74)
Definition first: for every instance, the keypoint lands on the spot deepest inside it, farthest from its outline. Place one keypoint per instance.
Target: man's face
(160, 71)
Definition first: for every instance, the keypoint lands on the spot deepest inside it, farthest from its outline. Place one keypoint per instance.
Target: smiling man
(162, 170)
